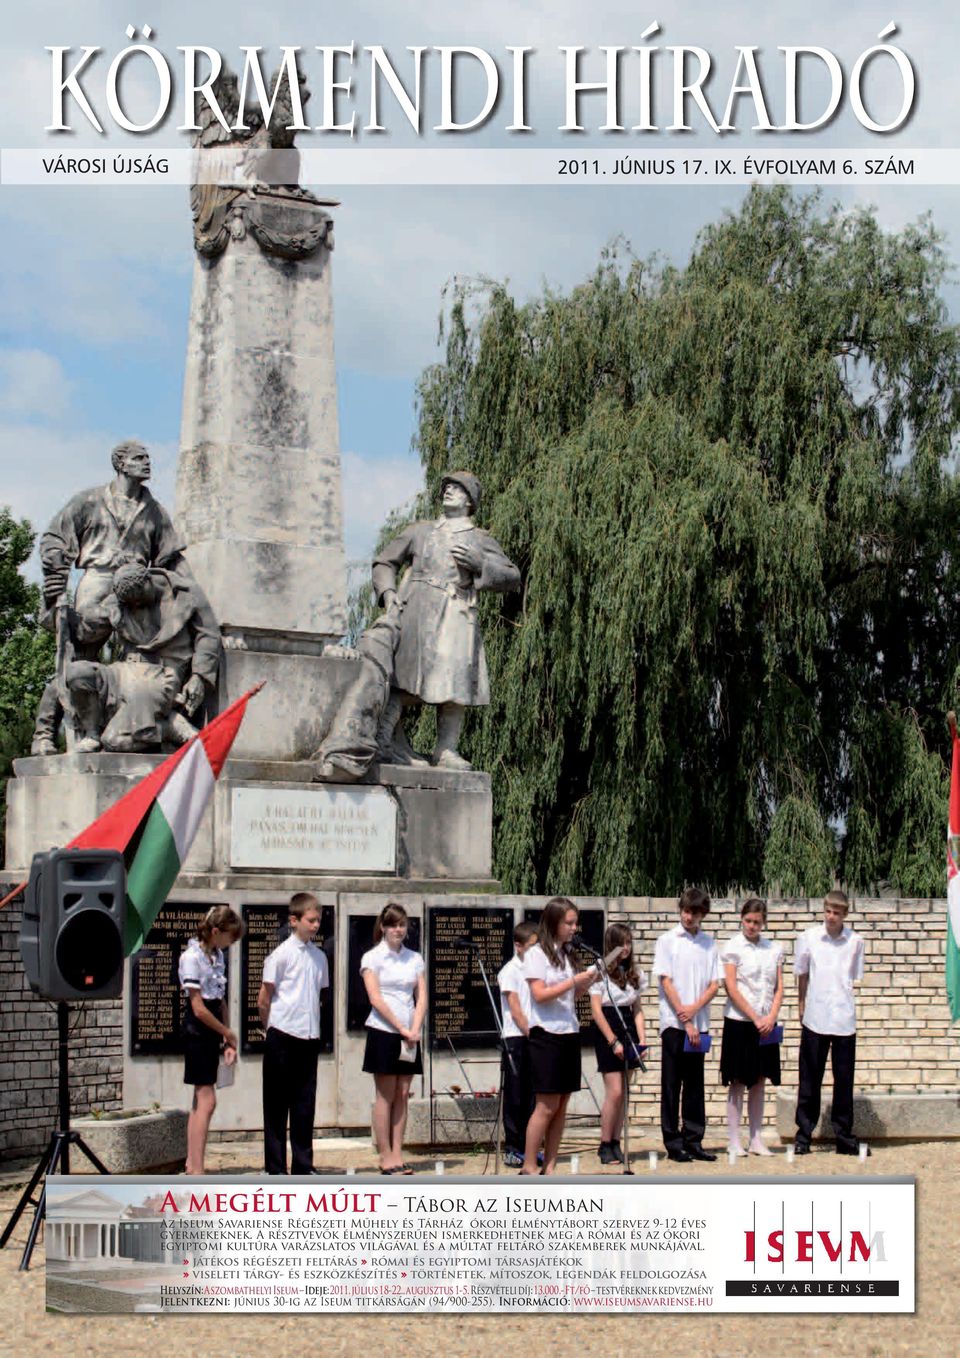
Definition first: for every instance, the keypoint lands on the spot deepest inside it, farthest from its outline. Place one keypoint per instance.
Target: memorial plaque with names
(359, 941)
(156, 1004)
(336, 829)
(266, 927)
(591, 925)
(459, 1006)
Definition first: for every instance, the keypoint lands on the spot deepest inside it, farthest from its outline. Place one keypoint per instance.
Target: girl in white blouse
(753, 971)
(394, 978)
(615, 1006)
(203, 1032)
(554, 1036)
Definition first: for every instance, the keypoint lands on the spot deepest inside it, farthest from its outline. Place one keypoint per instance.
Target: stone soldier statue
(426, 646)
(166, 654)
(97, 531)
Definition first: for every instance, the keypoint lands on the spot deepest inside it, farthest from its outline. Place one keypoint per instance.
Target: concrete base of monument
(150, 1141)
(454, 1120)
(424, 828)
(883, 1117)
(467, 1119)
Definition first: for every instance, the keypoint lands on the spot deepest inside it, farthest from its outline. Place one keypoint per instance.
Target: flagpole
(15, 892)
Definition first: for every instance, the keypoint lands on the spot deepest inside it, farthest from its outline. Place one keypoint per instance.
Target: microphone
(578, 941)
(461, 942)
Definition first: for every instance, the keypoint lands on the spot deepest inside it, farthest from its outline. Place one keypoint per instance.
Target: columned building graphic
(90, 1227)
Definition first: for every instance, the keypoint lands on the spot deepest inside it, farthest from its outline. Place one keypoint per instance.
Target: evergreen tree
(730, 491)
(26, 651)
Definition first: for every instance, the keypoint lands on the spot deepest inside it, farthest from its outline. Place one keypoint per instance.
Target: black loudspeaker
(74, 912)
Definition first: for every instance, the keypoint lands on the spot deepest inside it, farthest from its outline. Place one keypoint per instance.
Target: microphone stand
(505, 1051)
(631, 1052)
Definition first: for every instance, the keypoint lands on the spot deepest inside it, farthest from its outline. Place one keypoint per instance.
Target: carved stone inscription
(325, 829)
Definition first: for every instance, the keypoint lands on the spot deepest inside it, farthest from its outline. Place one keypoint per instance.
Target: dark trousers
(289, 1093)
(681, 1091)
(517, 1094)
(813, 1063)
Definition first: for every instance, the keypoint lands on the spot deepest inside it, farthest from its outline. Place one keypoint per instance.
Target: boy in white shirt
(289, 1005)
(686, 963)
(515, 1009)
(828, 961)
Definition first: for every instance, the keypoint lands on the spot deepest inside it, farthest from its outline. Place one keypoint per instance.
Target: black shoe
(617, 1152)
(801, 1148)
(607, 1156)
(681, 1156)
(698, 1153)
(844, 1149)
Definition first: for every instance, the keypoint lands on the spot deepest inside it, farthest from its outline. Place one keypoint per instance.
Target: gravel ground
(27, 1331)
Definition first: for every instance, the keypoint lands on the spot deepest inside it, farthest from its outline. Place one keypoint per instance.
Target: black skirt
(381, 1055)
(554, 1062)
(742, 1059)
(201, 1046)
(607, 1063)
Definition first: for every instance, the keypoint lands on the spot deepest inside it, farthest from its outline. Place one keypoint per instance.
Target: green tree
(730, 490)
(26, 651)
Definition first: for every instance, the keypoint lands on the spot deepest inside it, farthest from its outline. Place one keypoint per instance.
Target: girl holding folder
(753, 973)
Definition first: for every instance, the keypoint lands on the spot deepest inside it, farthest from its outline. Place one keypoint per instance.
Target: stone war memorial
(246, 582)
(177, 614)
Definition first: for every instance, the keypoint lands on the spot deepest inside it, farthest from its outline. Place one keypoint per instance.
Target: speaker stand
(57, 1154)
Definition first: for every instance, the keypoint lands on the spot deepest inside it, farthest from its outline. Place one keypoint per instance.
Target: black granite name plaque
(266, 928)
(459, 1006)
(156, 1004)
(360, 940)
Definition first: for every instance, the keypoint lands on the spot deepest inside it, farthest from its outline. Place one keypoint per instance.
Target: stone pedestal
(412, 835)
(258, 484)
(413, 829)
(258, 510)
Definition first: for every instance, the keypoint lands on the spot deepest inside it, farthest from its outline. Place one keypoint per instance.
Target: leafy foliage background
(731, 493)
(26, 652)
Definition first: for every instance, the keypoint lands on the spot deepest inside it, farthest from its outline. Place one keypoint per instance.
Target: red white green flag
(953, 884)
(154, 824)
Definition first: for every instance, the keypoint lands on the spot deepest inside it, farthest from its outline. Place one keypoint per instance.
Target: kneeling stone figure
(166, 646)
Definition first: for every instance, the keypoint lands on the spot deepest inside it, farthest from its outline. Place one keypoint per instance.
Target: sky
(95, 282)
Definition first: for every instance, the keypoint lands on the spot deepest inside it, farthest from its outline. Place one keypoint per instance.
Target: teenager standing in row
(828, 962)
(396, 988)
(289, 1004)
(203, 980)
(554, 1030)
(619, 1035)
(753, 976)
(515, 1014)
(686, 964)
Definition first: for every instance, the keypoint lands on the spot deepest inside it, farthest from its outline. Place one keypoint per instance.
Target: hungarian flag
(953, 883)
(154, 824)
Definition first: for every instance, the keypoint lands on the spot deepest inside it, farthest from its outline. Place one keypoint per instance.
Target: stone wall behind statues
(903, 1044)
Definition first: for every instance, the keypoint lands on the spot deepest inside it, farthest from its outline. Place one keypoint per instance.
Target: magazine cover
(477, 562)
